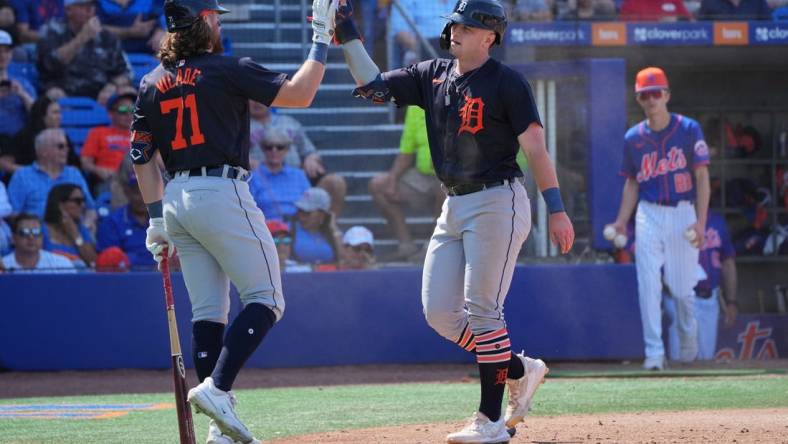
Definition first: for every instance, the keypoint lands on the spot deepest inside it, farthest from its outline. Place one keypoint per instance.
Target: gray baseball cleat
(521, 391)
(219, 406)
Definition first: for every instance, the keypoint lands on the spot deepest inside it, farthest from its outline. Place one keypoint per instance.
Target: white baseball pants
(707, 313)
(659, 231)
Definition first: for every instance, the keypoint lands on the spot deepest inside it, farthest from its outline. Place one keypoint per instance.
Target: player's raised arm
(360, 64)
(532, 143)
(301, 89)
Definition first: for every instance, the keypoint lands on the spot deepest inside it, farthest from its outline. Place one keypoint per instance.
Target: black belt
(468, 188)
(216, 171)
(703, 293)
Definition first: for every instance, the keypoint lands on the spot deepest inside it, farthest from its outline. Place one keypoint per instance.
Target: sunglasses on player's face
(30, 233)
(647, 95)
(286, 240)
(275, 147)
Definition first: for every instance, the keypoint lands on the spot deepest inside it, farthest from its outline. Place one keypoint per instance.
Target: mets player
(478, 113)
(193, 111)
(666, 167)
(717, 257)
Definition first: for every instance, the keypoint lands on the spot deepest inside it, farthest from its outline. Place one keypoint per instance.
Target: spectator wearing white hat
(316, 238)
(358, 247)
(16, 93)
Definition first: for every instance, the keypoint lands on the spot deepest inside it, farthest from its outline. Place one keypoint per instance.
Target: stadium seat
(780, 14)
(141, 64)
(26, 70)
(82, 112)
(77, 136)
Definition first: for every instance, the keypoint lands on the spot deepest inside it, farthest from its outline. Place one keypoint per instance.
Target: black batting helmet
(484, 14)
(182, 14)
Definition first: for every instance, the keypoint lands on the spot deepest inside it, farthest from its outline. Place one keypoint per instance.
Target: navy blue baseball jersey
(197, 113)
(663, 161)
(717, 247)
(473, 119)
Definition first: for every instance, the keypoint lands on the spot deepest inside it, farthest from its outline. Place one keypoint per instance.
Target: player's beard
(216, 42)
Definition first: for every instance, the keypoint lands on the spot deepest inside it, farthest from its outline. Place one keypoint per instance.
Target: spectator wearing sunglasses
(276, 186)
(64, 230)
(302, 153)
(30, 185)
(283, 239)
(358, 251)
(28, 255)
(106, 146)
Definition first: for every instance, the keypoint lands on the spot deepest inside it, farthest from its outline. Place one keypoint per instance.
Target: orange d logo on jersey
(472, 115)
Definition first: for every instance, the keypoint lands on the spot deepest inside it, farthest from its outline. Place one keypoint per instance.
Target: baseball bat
(185, 423)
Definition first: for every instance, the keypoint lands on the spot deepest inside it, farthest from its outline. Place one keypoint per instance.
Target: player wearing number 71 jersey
(193, 110)
(666, 165)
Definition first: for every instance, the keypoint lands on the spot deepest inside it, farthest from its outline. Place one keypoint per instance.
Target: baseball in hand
(620, 241)
(690, 234)
(609, 233)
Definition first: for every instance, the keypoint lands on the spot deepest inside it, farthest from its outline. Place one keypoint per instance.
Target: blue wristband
(318, 53)
(155, 209)
(552, 197)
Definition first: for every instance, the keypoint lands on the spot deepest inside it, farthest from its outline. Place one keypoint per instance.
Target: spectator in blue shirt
(30, 185)
(275, 185)
(134, 22)
(316, 238)
(125, 227)
(16, 93)
(734, 10)
(64, 230)
(31, 15)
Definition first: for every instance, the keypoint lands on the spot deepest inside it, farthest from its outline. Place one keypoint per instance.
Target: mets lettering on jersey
(663, 161)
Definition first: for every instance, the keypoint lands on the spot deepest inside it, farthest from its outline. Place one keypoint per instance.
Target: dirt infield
(713, 426)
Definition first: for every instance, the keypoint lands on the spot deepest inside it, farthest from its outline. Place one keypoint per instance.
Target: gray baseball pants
(471, 258)
(220, 236)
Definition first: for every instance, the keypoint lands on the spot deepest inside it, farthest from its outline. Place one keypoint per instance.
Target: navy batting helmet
(182, 14)
(484, 14)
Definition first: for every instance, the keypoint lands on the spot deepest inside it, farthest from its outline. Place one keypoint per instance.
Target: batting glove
(157, 239)
(323, 20)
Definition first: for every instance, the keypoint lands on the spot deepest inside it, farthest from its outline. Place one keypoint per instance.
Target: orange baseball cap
(651, 79)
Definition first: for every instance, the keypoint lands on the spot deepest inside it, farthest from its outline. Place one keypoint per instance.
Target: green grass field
(273, 413)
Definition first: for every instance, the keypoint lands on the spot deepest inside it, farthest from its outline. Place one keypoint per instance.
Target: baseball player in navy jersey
(478, 113)
(193, 111)
(666, 165)
(717, 258)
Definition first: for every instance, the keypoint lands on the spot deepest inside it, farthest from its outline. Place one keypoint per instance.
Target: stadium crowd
(67, 95)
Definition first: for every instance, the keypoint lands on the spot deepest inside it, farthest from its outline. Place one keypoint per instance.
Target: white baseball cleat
(215, 436)
(521, 391)
(480, 430)
(219, 406)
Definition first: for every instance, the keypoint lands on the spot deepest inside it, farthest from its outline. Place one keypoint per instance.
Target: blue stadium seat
(780, 14)
(82, 112)
(77, 136)
(26, 70)
(141, 64)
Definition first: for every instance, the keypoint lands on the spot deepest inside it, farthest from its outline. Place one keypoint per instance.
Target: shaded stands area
(354, 138)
